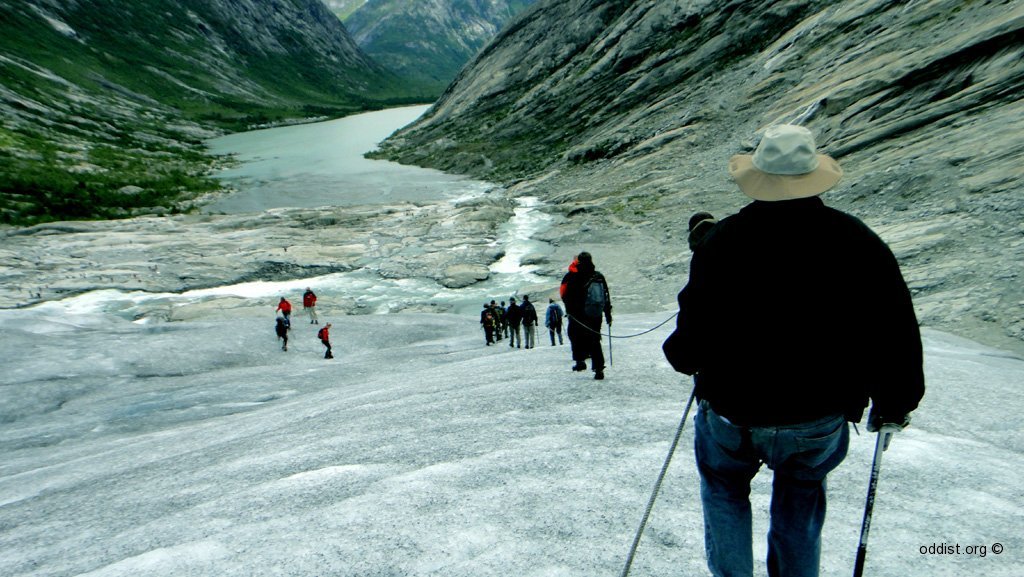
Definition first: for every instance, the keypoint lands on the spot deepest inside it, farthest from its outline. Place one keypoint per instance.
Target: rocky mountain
(104, 104)
(622, 116)
(427, 42)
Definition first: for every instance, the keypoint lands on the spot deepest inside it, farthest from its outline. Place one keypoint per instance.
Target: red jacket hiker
(309, 299)
(285, 307)
(324, 334)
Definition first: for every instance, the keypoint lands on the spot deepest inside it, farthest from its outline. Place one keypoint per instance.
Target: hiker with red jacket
(309, 305)
(285, 308)
(324, 334)
(585, 294)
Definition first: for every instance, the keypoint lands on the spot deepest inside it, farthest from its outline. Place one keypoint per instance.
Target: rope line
(611, 336)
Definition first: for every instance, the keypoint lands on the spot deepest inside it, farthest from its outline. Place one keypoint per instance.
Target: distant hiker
(487, 322)
(281, 328)
(498, 313)
(553, 321)
(585, 294)
(529, 322)
(794, 315)
(514, 317)
(700, 224)
(309, 305)
(324, 334)
(504, 320)
(285, 308)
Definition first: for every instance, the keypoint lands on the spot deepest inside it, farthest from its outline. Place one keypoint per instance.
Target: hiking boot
(580, 366)
(599, 376)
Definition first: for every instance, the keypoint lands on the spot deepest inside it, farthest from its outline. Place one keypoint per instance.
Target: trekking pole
(657, 484)
(611, 357)
(881, 444)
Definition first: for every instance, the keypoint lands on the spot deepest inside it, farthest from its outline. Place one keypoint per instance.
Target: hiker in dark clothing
(529, 322)
(504, 320)
(281, 328)
(499, 314)
(795, 314)
(514, 316)
(700, 225)
(487, 322)
(585, 294)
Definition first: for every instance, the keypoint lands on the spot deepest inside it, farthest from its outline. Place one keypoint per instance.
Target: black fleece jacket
(795, 311)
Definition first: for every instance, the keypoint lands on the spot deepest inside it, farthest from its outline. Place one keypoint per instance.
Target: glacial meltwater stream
(322, 164)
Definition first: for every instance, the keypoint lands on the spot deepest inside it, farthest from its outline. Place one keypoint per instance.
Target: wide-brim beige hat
(785, 166)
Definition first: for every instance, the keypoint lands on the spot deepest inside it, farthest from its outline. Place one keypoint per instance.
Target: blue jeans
(800, 455)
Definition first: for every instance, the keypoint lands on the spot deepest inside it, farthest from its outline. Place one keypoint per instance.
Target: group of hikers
(794, 316)
(518, 322)
(284, 321)
(587, 300)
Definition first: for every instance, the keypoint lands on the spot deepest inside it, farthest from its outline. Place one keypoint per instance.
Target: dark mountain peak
(429, 42)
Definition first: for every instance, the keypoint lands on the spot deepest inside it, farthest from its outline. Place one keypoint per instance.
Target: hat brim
(760, 185)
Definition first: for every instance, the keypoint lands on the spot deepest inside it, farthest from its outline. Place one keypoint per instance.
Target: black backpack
(595, 297)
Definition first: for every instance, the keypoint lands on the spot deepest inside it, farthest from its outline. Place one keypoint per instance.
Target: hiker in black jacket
(794, 315)
(529, 322)
(514, 317)
(487, 322)
(585, 294)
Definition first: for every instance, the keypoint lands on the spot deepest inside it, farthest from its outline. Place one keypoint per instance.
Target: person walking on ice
(514, 317)
(309, 305)
(285, 308)
(585, 294)
(794, 315)
(324, 334)
(553, 321)
(529, 322)
(281, 329)
(487, 322)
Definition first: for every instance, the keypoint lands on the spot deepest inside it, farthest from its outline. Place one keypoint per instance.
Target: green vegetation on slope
(97, 98)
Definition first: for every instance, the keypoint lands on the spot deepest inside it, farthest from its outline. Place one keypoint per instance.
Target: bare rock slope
(622, 115)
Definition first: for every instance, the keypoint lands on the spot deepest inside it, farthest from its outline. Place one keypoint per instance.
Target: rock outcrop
(623, 115)
(451, 244)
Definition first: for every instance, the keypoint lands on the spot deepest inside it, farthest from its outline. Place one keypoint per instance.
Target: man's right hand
(885, 423)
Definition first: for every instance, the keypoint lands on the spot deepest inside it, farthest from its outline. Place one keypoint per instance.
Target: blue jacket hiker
(553, 321)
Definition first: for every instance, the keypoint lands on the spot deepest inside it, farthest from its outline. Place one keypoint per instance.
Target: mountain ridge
(622, 117)
(428, 43)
